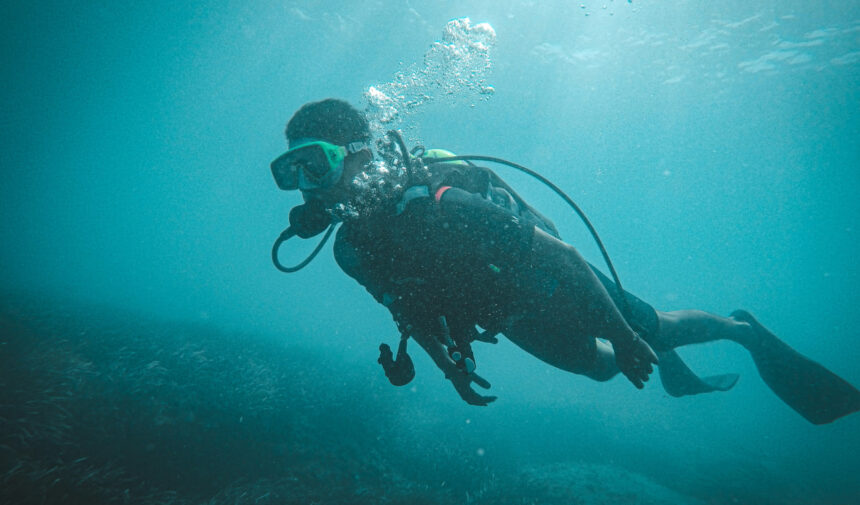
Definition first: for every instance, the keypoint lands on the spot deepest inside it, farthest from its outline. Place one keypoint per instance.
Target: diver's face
(341, 191)
(354, 165)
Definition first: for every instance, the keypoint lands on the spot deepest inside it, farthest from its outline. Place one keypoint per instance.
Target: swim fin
(813, 391)
(678, 380)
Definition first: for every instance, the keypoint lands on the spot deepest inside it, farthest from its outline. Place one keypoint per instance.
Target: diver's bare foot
(743, 331)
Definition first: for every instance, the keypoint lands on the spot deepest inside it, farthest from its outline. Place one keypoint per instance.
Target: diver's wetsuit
(643, 317)
(458, 253)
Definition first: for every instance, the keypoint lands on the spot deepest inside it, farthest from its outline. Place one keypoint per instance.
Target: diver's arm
(353, 262)
(412, 319)
(431, 333)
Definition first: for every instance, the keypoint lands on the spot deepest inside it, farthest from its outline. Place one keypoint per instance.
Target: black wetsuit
(456, 253)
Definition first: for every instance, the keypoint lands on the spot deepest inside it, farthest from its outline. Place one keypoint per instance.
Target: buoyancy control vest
(474, 179)
(438, 257)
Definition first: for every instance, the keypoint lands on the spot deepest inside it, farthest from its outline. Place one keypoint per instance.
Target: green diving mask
(312, 164)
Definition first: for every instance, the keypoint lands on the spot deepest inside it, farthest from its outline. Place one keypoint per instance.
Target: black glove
(399, 371)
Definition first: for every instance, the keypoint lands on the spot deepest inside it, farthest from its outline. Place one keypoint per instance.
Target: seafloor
(101, 406)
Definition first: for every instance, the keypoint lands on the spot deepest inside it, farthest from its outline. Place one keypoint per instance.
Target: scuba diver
(457, 256)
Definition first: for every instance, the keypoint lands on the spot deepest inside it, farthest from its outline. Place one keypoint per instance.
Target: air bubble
(454, 68)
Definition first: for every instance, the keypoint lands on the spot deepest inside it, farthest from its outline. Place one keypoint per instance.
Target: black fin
(678, 380)
(813, 391)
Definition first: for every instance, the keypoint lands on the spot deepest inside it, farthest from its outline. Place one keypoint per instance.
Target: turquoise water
(714, 146)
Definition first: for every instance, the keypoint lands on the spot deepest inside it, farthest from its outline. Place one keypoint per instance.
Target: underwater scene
(445, 345)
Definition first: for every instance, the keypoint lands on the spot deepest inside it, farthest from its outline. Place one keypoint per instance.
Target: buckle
(354, 147)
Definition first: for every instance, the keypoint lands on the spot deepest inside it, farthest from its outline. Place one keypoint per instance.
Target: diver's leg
(812, 390)
(536, 275)
(566, 307)
(685, 327)
(553, 345)
(603, 365)
(575, 294)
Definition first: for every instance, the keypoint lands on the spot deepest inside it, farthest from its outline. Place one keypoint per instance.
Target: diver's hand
(460, 378)
(635, 359)
(462, 382)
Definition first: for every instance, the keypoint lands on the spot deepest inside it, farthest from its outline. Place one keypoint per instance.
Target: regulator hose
(287, 235)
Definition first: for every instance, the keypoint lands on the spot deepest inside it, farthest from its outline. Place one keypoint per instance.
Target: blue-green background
(713, 144)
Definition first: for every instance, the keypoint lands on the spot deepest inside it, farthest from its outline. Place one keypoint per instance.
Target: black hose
(628, 312)
(288, 234)
(404, 152)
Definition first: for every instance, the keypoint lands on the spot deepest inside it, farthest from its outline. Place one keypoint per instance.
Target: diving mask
(312, 164)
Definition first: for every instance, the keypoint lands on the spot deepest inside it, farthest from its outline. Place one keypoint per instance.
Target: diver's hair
(333, 120)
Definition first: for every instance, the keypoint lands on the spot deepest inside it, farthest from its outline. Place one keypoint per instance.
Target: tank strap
(411, 194)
